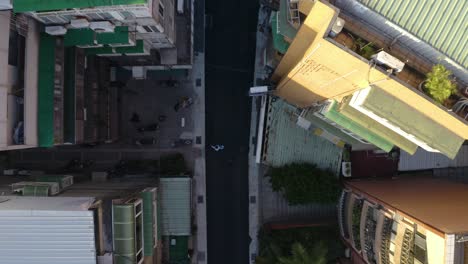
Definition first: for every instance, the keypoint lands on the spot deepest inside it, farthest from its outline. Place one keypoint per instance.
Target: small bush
(303, 183)
(438, 84)
(173, 165)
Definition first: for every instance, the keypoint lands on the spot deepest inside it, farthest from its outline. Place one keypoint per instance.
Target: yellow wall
(435, 248)
(314, 69)
(305, 6)
(313, 28)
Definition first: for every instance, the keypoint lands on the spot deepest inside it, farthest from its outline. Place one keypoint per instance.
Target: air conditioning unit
(116, 15)
(79, 23)
(337, 27)
(54, 187)
(5, 5)
(383, 58)
(303, 123)
(64, 181)
(102, 27)
(56, 30)
(346, 169)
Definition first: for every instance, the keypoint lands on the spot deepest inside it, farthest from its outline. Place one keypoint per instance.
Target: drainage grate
(198, 140)
(200, 199)
(253, 199)
(198, 82)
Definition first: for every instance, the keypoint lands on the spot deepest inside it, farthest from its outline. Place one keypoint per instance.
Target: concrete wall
(439, 205)
(30, 84)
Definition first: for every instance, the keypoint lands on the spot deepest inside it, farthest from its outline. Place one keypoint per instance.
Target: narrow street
(230, 46)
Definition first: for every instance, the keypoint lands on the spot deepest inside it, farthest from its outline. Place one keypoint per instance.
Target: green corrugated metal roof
(286, 142)
(413, 122)
(440, 23)
(284, 27)
(32, 190)
(87, 36)
(50, 5)
(46, 90)
(69, 96)
(124, 233)
(330, 129)
(278, 40)
(97, 51)
(376, 127)
(178, 253)
(148, 216)
(175, 194)
(333, 114)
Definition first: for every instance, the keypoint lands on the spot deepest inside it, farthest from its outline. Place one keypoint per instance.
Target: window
(420, 253)
(161, 10)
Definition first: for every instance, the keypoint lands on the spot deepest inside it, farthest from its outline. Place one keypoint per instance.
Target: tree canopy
(303, 183)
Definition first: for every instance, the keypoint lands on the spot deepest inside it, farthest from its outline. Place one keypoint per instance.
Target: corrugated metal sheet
(440, 24)
(286, 142)
(48, 5)
(175, 194)
(423, 160)
(46, 90)
(46, 230)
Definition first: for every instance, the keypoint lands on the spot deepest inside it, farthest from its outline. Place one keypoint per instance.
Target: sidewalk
(255, 169)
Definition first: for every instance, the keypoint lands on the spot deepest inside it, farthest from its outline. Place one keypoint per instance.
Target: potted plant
(438, 85)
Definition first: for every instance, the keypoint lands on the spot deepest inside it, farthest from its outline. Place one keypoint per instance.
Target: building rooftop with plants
(370, 86)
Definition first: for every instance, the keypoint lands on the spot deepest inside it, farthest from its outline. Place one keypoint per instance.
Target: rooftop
(286, 142)
(440, 23)
(46, 5)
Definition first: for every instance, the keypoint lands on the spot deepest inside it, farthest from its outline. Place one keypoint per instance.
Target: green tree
(299, 255)
(438, 84)
(303, 183)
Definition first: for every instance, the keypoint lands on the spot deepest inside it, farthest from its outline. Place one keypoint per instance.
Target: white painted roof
(46, 230)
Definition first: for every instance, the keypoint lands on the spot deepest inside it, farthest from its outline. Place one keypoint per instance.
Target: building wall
(440, 205)
(8, 80)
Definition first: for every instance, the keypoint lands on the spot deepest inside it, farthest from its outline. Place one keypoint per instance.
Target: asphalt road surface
(230, 52)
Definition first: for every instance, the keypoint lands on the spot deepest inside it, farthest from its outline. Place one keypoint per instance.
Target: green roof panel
(175, 194)
(333, 114)
(88, 37)
(119, 36)
(440, 23)
(412, 121)
(330, 128)
(50, 5)
(284, 27)
(78, 37)
(46, 90)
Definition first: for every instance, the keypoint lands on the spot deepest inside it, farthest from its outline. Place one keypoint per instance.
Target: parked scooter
(148, 128)
(145, 141)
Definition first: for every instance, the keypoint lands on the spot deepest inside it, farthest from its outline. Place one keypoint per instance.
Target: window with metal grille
(161, 10)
